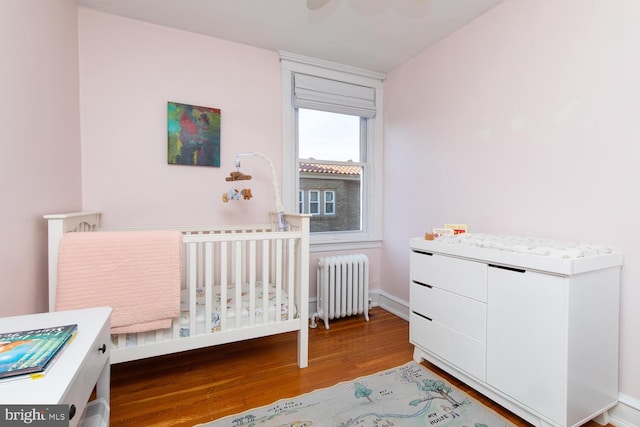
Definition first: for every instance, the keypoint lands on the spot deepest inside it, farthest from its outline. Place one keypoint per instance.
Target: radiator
(343, 288)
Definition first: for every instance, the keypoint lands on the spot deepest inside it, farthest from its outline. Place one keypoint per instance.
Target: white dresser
(535, 331)
(81, 367)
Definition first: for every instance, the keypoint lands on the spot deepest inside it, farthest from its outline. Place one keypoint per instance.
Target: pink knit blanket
(137, 273)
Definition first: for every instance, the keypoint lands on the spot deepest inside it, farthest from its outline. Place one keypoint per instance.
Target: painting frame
(193, 135)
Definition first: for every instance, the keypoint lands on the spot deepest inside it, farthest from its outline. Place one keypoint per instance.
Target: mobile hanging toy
(245, 193)
(234, 194)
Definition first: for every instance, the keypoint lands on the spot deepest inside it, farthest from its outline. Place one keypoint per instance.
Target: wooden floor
(202, 385)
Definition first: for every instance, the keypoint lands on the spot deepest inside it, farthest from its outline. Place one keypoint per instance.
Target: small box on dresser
(537, 334)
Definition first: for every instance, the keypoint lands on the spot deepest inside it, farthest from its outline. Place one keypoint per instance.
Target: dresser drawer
(87, 375)
(465, 315)
(462, 351)
(461, 276)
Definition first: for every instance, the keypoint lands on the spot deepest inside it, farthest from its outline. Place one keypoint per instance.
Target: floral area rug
(409, 395)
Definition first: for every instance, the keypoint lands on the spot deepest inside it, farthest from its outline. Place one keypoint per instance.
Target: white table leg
(103, 386)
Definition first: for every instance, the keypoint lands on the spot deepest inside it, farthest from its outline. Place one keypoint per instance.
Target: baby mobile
(235, 194)
(245, 193)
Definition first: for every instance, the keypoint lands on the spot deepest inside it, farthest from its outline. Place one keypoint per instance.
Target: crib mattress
(232, 307)
(216, 312)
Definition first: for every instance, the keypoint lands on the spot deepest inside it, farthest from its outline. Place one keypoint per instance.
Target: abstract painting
(193, 135)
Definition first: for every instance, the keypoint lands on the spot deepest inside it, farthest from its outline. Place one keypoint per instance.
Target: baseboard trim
(626, 413)
(391, 304)
(377, 298)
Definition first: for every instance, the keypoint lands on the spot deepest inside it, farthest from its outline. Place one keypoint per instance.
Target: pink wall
(128, 72)
(40, 141)
(524, 122)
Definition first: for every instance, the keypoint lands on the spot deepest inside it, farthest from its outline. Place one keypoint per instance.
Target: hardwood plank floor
(202, 385)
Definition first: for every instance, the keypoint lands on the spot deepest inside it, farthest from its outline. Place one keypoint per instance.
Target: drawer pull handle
(103, 349)
(422, 284)
(422, 252)
(502, 267)
(72, 411)
(423, 316)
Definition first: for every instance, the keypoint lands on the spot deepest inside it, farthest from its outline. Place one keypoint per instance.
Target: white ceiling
(376, 35)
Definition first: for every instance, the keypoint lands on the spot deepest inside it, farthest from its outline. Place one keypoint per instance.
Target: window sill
(343, 245)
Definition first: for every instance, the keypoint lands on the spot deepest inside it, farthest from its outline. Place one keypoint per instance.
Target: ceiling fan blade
(316, 4)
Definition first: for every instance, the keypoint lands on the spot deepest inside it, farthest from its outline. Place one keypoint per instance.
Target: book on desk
(28, 354)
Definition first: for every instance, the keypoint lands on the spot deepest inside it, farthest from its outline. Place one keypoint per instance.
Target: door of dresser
(526, 339)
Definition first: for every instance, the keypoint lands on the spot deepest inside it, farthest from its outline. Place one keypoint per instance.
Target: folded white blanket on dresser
(137, 273)
(527, 245)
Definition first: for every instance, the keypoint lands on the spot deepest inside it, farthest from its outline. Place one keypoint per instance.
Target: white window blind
(319, 93)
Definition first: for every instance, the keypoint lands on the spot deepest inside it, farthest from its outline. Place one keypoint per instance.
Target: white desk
(83, 365)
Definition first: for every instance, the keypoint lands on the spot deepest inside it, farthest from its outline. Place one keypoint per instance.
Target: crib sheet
(232, 306)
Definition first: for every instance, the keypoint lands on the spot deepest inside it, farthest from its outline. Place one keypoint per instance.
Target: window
(314, 202)
(329, 202)
(332, 140)
(313, 196)
(300, 201)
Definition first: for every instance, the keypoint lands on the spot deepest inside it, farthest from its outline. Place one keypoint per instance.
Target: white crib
(238, 263)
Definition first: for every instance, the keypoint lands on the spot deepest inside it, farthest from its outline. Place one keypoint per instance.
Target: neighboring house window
(332, 138)
(325, 199)
(314, 202)
(301, 201)
(329, 202)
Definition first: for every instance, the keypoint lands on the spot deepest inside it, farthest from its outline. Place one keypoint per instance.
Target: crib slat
(224, 275)
(200, 264)
(208, 285)
(175, 328)
(252, 282)
(265, 281)
(193, 271)
(291, 278)
(122, 340)
(279, 285)
(238, 283)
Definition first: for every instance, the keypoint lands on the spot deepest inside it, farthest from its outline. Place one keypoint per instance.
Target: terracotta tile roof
(330, 169)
